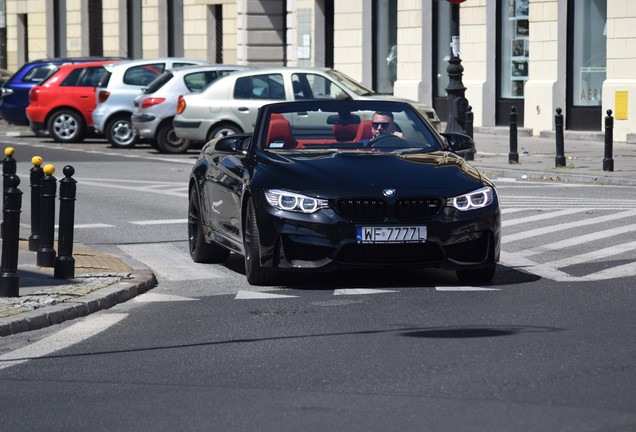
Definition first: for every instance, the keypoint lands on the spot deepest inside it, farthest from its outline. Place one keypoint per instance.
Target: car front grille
(380, 210)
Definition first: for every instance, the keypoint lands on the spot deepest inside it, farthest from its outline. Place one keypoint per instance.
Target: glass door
(587, 58)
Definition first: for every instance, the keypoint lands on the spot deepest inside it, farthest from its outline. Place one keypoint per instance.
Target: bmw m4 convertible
(329, 184)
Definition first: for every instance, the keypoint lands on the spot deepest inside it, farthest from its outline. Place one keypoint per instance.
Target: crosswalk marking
(581, 239)
(538, 217)
(160, 222)
(569, 225)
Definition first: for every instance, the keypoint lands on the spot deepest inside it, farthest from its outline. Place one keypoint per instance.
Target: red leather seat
(279, 133)
(345, 132)
(364, 131)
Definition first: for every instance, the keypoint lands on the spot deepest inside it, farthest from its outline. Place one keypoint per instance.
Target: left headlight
(473, 200)
(289, 201)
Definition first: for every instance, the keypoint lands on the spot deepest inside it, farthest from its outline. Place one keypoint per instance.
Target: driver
(382, 124)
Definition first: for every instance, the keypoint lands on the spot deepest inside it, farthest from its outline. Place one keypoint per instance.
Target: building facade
(535, 55)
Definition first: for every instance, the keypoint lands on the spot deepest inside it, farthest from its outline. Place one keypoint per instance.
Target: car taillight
(152, 101)
(181, 105)
(102, 96)
(33, 94)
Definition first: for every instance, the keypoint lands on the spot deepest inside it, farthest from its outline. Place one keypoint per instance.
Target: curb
(137, 283)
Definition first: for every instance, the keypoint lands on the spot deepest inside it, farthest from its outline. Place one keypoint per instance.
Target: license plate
(391, 234)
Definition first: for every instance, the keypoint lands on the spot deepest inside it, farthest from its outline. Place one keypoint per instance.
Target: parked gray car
(117, 90)
(230, 104)
(155, 107)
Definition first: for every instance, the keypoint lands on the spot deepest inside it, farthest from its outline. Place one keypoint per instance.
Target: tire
(66, 126)
(481, 275)
(120, 133)
(222, 130)
(256, 274)
(168, 141)
(200, 250)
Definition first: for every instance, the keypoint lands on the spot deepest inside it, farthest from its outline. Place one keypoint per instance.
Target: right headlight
(473, 200)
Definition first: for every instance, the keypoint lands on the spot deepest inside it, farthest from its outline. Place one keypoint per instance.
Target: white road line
(93, 225)
(136, 188)
(150, 297)
(538, 217)
(169, 262)
(594, 255)
(252, 295)
(159, 222)
(587, 238)
(561, 227)
(464, 288)
(76, 333)
(361, 291)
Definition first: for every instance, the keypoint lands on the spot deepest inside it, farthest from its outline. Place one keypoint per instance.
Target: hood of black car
(354, 173)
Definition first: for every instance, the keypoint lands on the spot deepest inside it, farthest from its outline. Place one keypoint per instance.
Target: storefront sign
(591, 84)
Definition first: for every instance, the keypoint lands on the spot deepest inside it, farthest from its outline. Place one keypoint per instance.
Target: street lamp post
(457, 102)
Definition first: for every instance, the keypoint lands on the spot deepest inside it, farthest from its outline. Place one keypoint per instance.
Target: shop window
(515, 30)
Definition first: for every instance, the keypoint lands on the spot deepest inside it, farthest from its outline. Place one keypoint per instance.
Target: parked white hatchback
(156, 105)
(117, 90)
(229, 105)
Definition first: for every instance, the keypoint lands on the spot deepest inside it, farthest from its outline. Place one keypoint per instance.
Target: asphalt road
(548, 346)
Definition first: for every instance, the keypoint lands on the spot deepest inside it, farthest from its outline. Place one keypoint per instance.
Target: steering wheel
(387, 141)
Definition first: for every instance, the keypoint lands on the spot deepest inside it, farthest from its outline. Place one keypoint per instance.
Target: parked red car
(63, 104)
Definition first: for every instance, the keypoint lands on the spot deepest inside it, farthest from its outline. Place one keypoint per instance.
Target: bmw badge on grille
(388, 192)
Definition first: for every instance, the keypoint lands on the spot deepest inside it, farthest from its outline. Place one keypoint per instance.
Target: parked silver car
(230, 104)
(155, 107)
(117, 90)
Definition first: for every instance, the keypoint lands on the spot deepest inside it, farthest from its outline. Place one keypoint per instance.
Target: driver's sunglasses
(384, 125)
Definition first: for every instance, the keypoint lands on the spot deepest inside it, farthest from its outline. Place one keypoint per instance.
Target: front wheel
(169, 142)
(256, 274)
(120, 133)
(200, 250)
(67, 126)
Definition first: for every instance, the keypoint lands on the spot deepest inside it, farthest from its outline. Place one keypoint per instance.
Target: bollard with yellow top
(36, 185)
(45, 252)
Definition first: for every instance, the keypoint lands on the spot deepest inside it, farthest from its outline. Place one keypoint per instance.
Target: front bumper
(325, 241)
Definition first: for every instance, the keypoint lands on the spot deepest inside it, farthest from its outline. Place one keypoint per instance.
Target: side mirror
(459, 143)
(233, 143)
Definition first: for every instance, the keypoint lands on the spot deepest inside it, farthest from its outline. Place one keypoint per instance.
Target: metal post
(608, 160)
(8, 169)
(469, 130)
(9, 279)
(457, 102)
(513, 156)
(46, 253)
(36, 185)
(65, 263)
(559, 160)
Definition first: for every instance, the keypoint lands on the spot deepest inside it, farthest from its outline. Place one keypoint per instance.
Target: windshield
(350, 83)
(347, 127)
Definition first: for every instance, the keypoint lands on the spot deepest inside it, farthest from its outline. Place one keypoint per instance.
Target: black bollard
(468, 127)
(65, 263)
(559, 160)
(9, 279)
(36, 185)
(8, 169)
(513, 156)
(46, 253)
(608, 160)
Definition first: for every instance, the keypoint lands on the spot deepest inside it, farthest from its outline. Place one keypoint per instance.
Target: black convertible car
(332, 184)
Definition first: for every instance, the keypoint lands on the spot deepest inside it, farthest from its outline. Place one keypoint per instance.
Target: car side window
(260, 87)
(39, 73)
(91, 76)
(195, 82)
(321, 87)
(143, 75)
(71, 78)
